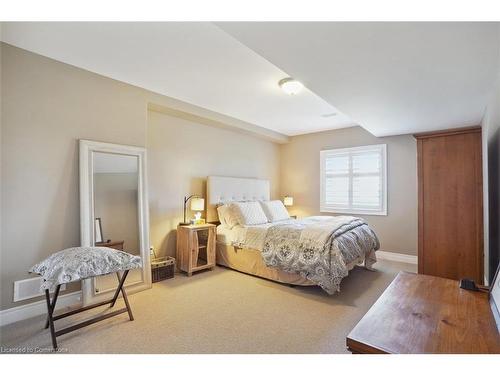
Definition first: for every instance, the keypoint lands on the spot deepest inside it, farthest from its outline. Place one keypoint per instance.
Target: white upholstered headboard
(222, 190)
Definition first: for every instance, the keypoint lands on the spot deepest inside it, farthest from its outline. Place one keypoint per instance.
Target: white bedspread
(253, 236)
(322, 228)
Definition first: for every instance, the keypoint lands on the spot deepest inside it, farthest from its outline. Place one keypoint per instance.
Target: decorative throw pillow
(275, 210)
(249, 213)
(226, 216)
(221, 212)
(78, 263)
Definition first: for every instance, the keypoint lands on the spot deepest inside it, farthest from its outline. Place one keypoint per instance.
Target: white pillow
(226, 216)
(78, 263)
(275, 210)
(249, 213)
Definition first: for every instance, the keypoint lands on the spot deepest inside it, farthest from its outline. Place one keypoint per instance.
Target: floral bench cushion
(78, 263)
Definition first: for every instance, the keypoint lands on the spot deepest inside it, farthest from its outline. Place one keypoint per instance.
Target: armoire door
(450, 204)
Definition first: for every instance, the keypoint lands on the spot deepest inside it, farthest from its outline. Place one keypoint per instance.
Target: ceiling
(194, 62)
(390, 78)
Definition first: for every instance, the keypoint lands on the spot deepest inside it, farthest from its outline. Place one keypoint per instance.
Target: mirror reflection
(115, 190)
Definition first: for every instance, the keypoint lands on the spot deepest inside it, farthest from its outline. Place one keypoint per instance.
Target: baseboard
(33, 309)
(397, 257)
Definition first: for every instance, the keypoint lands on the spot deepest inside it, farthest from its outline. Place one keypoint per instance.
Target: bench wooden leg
(121, 281)
(53, 305)
(125, 298)
(50, 309)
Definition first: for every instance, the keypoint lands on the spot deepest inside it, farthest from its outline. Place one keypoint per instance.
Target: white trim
(486, 198)
(87, 148)
(353, 211)
(33, 309)
(38, 280)
(397, 257)
(381, 211)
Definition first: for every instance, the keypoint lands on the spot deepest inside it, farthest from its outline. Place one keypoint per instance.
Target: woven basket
(162, 269)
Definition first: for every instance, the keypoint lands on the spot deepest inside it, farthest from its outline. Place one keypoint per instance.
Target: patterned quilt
(319, 248)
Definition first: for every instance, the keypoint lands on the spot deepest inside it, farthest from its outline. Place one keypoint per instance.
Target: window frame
(382, 148)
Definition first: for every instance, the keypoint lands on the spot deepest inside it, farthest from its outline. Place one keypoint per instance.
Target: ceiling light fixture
(290, 86)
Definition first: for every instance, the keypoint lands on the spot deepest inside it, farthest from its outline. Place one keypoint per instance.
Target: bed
(258, 249)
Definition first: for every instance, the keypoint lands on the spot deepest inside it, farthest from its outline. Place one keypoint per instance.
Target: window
(354, 180)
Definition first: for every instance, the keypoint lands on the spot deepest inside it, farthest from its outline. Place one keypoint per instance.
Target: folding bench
(80, 263)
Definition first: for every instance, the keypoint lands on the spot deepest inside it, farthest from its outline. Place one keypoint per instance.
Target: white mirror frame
(87, 148)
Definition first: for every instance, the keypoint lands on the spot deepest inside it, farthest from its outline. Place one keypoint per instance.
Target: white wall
(182, 153)
(47, 106)
(300, 178)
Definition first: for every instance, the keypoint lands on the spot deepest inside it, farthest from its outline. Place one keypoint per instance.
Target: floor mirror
(114, 211)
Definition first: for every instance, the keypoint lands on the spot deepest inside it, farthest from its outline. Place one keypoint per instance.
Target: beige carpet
(223, 311)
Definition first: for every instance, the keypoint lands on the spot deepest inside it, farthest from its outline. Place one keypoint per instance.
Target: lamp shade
(288, 201)
(197, 204)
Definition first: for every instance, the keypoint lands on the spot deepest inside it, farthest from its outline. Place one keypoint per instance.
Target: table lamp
(197, 204)
(288, 201)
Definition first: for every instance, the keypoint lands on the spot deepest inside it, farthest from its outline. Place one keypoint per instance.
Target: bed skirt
(250, 261)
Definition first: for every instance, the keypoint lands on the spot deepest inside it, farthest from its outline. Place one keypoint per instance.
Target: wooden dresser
(450, 204)
(118, 245)
(426, 314)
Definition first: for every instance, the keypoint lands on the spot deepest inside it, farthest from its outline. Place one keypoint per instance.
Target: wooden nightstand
(195, 247)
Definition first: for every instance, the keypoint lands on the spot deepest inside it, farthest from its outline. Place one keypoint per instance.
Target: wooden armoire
(450, 204)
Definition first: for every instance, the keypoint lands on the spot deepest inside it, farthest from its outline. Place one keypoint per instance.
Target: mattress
(240, 248)
(228, 236)
(250, 261)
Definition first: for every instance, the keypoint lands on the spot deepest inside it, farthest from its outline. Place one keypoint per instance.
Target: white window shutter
(354, 180)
